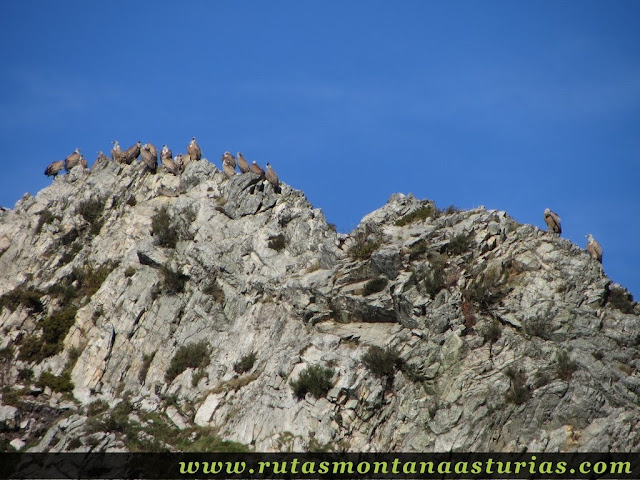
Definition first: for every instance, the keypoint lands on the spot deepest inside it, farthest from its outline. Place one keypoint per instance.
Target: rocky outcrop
(146, 311)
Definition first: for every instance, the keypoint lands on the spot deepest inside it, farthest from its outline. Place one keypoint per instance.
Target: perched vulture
(116, 152)
(152, 149)
(166, 153)
(148, 158)
(272, 177)
(242, 163)
(132, 153)
(170, 165)
(228, 170)
(229, 160)
(194, 150)
(83, 162)
(178, 160)
(54, 168)
(553, 221)
(594, 248)
(72, 160)
(184, 161)
(255, 168)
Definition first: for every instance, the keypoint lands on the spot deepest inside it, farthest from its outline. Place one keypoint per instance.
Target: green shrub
(451, 209)
(69, 254)
(146, 363)
(96, 407)
(214, 290)
(174, 282)
(194, 355)
(536, 327)
(36, 348)
(69, 237)
(6, 354)
(63, 291)
(11, 397)
(565, 366)
(491, 332)
(25, 374)
(245, 364)
(364, 251)
(72, 358)
(57, 383)
(375, 285)
(74, 443)
(277, 242)
(117, 420)
(418, 215)
(518, 392)
(382, 362)
(91, 209)
(189, 215)
(22, 296)
(622, 300)
(417, 249)
(89, 278)
(315, 380)
(434, 279)
(459, 244)
(57, 325)
(197, 376)
(163, 229)
(366, 241)
(487, 290)
(45, 218)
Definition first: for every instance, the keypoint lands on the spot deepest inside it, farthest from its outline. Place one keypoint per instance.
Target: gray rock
(9, 418)
(509, 344)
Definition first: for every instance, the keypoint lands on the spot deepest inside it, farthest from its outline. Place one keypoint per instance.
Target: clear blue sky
(517, 106)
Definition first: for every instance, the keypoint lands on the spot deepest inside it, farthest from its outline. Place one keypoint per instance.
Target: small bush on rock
(315, 380)
(382, 362)
(194, 355)
(374, 286)
(245, 364)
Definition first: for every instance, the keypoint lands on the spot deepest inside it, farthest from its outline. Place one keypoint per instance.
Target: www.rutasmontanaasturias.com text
(399, 467)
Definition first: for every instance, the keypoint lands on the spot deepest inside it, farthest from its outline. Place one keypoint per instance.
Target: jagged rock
(507, 336)
(9, 418)
(18, 444)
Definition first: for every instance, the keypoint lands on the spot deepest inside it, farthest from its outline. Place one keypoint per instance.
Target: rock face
(148, 311)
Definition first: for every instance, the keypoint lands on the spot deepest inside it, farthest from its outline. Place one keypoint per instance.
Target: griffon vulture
(229, 160)
(116, 152)
(255, 168)
(272, 177)
(553, 221)
(228, 170)
(132, 153)
(54, 168)
(594, 248)
(148, 158)
(72, 160)
(242, 163)
(194, 150)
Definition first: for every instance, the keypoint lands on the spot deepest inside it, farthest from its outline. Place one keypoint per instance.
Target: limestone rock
(197, 322)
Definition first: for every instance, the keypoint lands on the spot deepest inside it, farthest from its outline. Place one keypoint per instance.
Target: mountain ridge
(203, 304)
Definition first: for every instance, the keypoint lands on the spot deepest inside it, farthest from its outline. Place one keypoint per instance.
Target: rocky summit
(145, 312)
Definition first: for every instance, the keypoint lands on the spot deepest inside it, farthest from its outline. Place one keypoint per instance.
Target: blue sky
(517, 106)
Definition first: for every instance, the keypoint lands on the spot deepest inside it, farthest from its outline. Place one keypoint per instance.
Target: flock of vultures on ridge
(177, 164)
